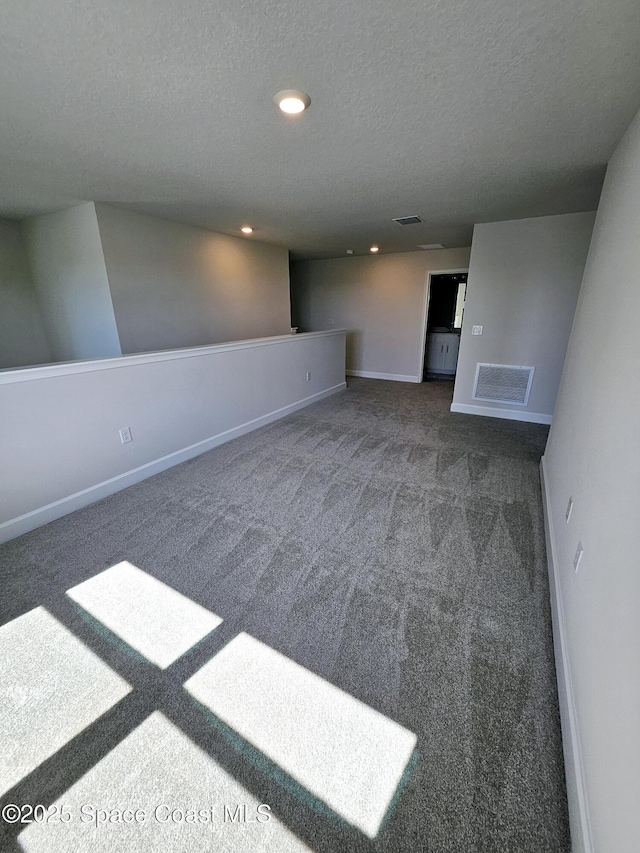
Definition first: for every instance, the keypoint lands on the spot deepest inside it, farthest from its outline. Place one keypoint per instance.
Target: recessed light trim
(247, 229)
(292, 101)
(374, 249)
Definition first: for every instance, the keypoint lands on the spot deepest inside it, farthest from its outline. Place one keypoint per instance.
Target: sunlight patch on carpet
(158, 791)
(51, 688)
(345, 753)
(151, 617)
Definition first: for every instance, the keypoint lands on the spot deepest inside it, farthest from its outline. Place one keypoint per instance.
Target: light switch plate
(125, 435)
(477, 330)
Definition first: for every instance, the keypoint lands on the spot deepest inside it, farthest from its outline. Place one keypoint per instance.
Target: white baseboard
(576, 791)
(43, 515)
(506, 414)
(393, 377)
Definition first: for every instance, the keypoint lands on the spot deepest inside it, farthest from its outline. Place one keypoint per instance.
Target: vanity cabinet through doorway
(442, 352)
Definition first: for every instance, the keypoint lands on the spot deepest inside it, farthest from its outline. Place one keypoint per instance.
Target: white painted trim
(505, 414)
(46, 371)
(394, 377)
(425, 308)
(576, 790)
(43, 515)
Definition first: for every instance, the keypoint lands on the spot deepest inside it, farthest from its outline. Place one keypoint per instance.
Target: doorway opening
(447, 293)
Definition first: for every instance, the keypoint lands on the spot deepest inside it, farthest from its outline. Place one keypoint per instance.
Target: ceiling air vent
(408, 220)
(503, 383)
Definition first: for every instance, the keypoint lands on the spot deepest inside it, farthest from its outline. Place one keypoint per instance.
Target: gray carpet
(390, 547)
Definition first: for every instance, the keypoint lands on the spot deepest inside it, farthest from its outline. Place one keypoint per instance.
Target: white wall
(68, 268)
(175, 285)
(593, 454)
(380, 300)
(59, 442)
(524, 279)
(22, 337)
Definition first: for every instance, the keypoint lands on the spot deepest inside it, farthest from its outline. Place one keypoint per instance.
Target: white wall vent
(503, 383)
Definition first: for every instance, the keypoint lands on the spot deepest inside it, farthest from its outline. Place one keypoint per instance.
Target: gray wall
(22, 337)
(59, 442)
(380, 300)
(524, 280)
(593, 454)
(68, 268)
(175, 285)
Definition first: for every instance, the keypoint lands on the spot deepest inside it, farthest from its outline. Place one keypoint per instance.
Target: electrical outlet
(578, 557)
(308, 377)
(567, 514)
(477, 330)
(125, 435)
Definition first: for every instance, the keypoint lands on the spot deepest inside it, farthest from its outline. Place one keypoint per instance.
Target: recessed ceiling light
(374, 249)
(247, 229)
(292, 101)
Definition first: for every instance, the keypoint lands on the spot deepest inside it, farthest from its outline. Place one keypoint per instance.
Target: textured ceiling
(457, 110)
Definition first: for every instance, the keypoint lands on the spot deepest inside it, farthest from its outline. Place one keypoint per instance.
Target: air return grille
(408, 220)
(503, 383)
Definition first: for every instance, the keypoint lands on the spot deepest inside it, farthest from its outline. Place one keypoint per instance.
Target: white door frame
(425, 308)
